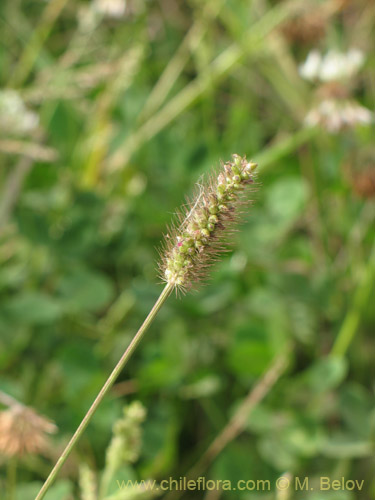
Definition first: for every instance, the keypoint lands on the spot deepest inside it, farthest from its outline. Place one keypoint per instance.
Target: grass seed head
(23, 431)
(203, 225)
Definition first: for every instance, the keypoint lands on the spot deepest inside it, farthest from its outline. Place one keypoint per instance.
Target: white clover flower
(110, 8)
(335, 109)
(309, 70)
(334, 65)
(15, 117)
(338, 66)
(353, 114)
(335, 115)
(88, 18)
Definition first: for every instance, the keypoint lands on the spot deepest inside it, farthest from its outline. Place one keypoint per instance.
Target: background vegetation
(107, 119)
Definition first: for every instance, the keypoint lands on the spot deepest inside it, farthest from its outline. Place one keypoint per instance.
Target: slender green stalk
(106, 387)
(12, 477)
(34, 46)
(12, 189)
(178, 61)
(284, 146)
(353, 317)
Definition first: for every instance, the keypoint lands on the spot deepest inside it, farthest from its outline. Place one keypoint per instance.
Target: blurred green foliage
(132, 111)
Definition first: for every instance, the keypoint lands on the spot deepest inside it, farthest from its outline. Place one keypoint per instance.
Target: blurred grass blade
(176, 64)
(284, 146)
(360, 300)
(25, 65)
(212, 75)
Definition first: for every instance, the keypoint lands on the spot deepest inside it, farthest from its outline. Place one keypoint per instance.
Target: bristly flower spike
(203, 225)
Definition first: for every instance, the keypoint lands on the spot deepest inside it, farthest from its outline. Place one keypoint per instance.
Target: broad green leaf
(83, 289)
(33, 308)
(326, 374)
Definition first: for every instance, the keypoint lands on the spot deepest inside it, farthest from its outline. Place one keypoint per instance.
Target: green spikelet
(203, 225)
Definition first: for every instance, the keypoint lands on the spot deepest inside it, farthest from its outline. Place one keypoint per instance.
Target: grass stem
(105, 389)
